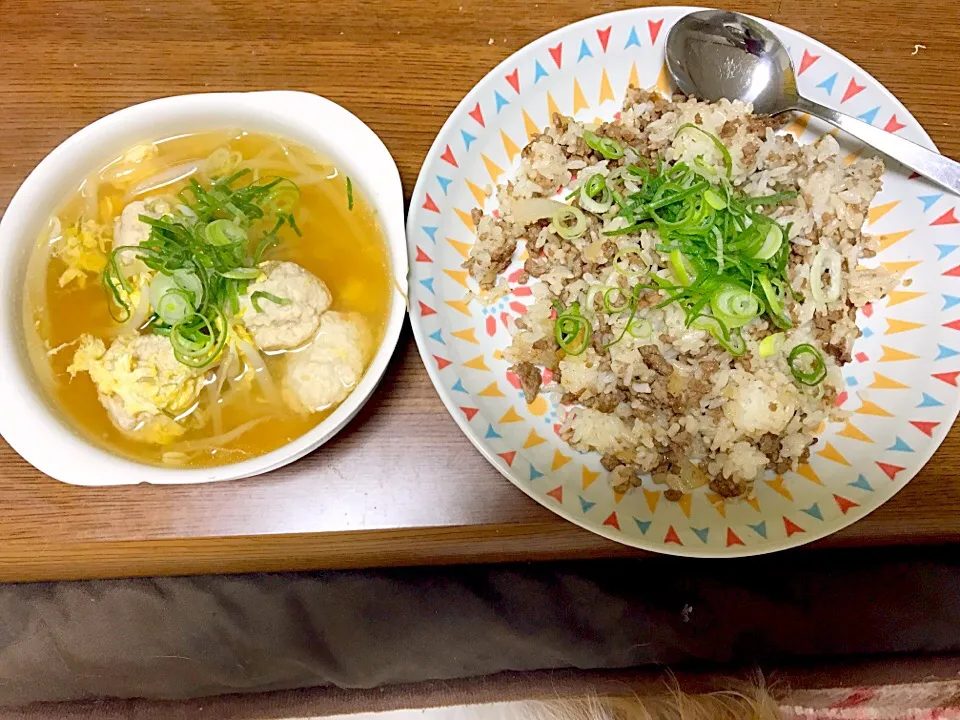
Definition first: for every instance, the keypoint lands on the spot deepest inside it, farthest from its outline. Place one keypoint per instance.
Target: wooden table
(401, 485)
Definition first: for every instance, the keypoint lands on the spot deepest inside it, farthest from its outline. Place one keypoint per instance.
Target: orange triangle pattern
(889, 239)
(466, 219)
(831, 453)
(895, 297)
(684, 502)
(479, 194)
(559, 460)
(588, 477)
(459, 276)
(871, 408)
(460, 306)
(664, 85)
(467, 335)
(777, 485)
(511, 148)
(901, 266)
(718, 504)
(477, 363)
(898, 326)
(606, 91)
(533, 440)
(491, 390)
(754, 502)
(652, 497)
(634, 79)
(529, 126)
(461, 247)
(854, 433)
(510, 416)
(807, 472)
(493, 170)
(892, 354)
(579, 100)
(552, 108)
(882, 382)
(877, 212)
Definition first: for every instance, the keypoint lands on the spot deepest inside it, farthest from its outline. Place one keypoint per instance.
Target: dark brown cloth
(191, 637)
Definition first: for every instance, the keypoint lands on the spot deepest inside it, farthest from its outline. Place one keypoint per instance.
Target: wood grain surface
(401, 485)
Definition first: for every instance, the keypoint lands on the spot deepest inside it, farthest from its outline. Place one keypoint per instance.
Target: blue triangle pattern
(633, 39)
(900, 445)
(869, 115)
(760, 528)
(861, 482)
(538, 72)
(929, 200)
(444, 183)
(946, 352)
(829, 83)
(946, 250)
(929, 401)
(431, 232)
(852, 381)
(584, 51)
(458, 386)
(949, 301)
(867, 332)
(492, 434)
(437, 335)
(467, 138)
(501, 101)
(534, 473)
(814, 511)
(585, 504)
(701, 533)
(644, 525)
(428, 284)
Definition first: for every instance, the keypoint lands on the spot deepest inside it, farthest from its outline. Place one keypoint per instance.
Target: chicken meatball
(323, 373)
(288, 314)
(129, 230)
(140, 383)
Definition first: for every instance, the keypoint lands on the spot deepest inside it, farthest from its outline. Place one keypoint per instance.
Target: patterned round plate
(901, 386)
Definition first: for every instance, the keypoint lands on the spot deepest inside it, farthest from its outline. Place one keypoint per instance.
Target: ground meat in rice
(651, 390)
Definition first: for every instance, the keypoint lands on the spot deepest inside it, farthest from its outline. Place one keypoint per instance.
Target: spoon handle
(939, 168)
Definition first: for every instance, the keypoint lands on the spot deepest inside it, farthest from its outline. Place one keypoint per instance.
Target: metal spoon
(715, 54)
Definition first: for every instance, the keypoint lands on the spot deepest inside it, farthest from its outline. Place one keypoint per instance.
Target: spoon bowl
(716, 54)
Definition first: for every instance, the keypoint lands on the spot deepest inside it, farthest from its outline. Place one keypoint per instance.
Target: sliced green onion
(774, 293)
(242, 273)
(224, 232)
(175, 306)
(349, 193)
(283, 198)
(569, 222)
(640, 328)
(735, 306)
(826, 261)
(572, 331)
(727, 160)
(731, 340)
(189, 281)
(590, 306)
(609, 300)
(770, 244)
(809, 355)
(609, 148)
(594, 186)
(714, 200)
(621, 265)
(771, 344)
(682, 268)
(264, 295)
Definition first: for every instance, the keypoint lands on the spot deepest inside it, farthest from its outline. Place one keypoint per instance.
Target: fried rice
(655, 392)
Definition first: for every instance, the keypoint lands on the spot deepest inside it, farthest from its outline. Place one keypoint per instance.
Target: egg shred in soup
(208, 298)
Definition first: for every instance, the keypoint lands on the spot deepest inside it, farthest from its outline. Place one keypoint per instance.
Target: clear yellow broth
(344, 247)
